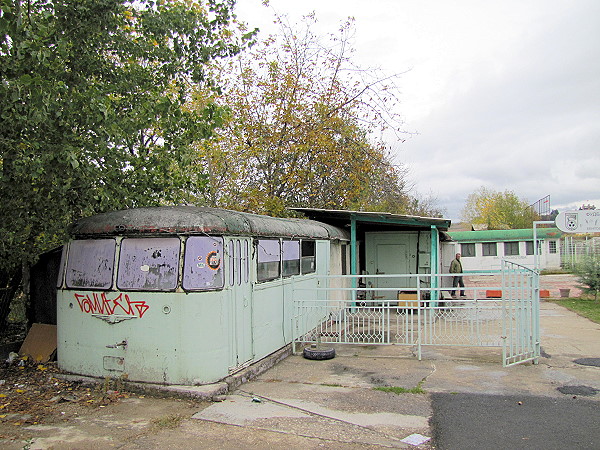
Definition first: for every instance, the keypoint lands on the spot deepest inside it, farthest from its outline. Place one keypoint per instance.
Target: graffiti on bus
(111, 303)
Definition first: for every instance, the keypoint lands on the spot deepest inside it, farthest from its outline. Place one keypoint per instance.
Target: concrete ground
(300, 403)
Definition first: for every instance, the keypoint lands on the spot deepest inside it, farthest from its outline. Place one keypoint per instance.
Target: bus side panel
(143, 336)
(268, 329)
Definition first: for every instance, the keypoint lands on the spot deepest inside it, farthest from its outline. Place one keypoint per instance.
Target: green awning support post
(434, 263)
(353, 257)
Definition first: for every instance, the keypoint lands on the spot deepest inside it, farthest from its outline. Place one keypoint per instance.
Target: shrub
(588, 274)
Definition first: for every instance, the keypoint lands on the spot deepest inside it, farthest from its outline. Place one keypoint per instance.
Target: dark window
(203, 263)
(149, 264)
(467, 250)
(511, 248)
(91, 263)
(529, 247)
(344, 259)
(489, 249)
(268, 260)
(291, 258)
(308, 257)
(552, 246)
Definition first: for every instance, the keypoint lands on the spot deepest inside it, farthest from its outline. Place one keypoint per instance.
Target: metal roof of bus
(523, 234)
(336, 215)
(201, 220)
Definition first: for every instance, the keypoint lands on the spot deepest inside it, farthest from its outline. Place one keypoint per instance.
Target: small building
(484, 250)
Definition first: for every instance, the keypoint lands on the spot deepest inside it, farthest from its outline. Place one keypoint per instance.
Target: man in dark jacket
(457, 280)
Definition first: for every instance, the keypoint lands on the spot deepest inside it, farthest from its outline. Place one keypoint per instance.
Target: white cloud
(504, 94)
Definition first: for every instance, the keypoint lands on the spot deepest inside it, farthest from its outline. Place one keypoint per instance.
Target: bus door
(240, 301)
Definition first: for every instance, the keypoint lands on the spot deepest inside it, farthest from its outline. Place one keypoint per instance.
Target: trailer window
(467, 250)
(91, 263)
(489, 249)
(202, 267)
(291, 258)
(269, 257)
(529, 247)
(308, 256)
(511, 248)
(149, 264)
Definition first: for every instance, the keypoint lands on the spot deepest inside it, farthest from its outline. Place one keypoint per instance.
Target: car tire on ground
(319, 354)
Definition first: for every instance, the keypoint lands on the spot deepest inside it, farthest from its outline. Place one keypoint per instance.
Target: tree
(92, 98)
(301, 129)
(588, 274)
(499, 210)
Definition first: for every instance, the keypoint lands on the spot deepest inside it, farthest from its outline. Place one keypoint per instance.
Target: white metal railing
(369, 309)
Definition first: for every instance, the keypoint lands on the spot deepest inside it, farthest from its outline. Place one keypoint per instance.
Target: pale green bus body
(177, 335)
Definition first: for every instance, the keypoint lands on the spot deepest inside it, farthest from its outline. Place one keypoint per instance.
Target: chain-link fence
(573, 250)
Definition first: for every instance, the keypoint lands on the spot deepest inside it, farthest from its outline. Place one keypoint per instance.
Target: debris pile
(31, 393)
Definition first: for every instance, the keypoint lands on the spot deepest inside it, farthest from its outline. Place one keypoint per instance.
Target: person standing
(457, 280)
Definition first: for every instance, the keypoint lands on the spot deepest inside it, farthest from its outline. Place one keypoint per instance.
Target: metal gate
(345, 310)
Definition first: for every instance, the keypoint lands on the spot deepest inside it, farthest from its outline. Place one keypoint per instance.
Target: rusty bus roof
(201, 220)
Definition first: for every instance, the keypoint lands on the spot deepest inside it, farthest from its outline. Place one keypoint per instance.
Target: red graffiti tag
(101, 304)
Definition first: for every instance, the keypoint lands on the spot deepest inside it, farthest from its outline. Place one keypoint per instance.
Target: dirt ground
(33, 400)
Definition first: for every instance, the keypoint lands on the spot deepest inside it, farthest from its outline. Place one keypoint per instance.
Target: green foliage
(588, 274)
(93, 97)
(301, 130)
(498, 210)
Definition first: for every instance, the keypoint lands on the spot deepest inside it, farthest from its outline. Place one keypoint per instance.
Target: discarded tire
(318, 354)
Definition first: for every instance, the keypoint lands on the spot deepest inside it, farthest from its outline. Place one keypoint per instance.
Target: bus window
(149, 264)
(291, 258)
(269, 255)
(231, 263)
(246, 258)
(238, 261)
(202, 268)
(91, 263)
(308, 257)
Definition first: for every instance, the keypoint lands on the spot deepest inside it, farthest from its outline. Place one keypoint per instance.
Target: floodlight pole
(536, 256)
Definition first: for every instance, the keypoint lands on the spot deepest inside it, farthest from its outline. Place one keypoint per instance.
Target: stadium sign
(581, 221)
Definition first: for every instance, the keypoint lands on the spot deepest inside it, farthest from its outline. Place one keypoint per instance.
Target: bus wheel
(318, 354)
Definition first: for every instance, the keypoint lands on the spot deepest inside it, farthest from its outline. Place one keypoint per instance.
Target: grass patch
(585, 307)
(171, 421)
(400, 390)
(555, 271)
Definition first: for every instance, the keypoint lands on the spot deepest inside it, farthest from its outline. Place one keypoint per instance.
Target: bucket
(564, 293)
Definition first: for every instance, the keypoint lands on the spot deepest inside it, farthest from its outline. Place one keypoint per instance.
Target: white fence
(351, 310)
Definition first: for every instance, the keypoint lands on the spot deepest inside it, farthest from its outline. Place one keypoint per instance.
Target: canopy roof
(342, 218)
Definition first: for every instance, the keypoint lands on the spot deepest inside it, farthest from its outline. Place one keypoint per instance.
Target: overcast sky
(502, 93)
